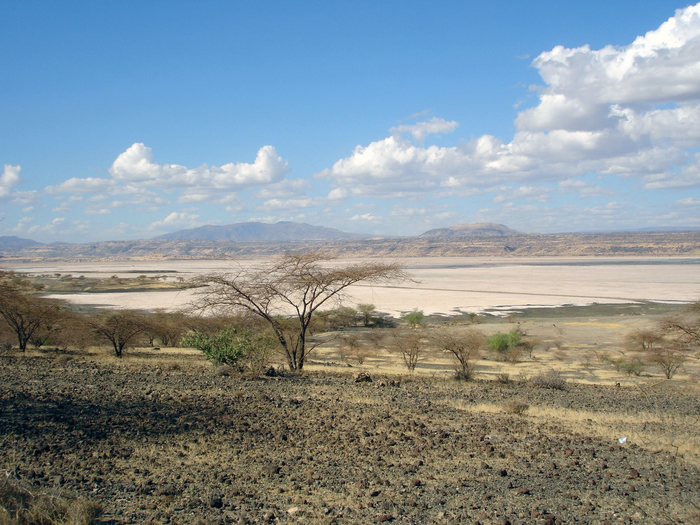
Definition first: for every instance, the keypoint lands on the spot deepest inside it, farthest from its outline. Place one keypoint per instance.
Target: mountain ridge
(252, 231)
(477, 229)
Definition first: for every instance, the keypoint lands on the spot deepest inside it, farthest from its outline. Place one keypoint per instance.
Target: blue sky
(124, 120)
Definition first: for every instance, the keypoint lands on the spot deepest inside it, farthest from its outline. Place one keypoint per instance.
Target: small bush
(633, 366)
(551, 380)
(513, 406)
(508, 347)
(414, 318)
(225, 347)
(503, 378)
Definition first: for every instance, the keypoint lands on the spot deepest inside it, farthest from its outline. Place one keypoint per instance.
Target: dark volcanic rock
(209, 448)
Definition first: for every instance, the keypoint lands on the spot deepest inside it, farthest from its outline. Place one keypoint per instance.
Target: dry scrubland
(162, 436)
(575, 424)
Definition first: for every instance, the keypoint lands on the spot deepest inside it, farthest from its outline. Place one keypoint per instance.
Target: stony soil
(177, 443)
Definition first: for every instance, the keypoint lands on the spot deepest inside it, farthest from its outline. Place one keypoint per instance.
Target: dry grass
(22, 504)
(656, 430)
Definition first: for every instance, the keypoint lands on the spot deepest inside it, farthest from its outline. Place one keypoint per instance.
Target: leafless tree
(644, 340)
(411, 344)
(465, 346)
(669, 356)
(168, 327)
(287, 292)
(355, 345)
(685, 327)
(24, 313)
(118, 328)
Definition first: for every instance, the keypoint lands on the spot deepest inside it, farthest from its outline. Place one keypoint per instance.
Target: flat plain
(442, 285)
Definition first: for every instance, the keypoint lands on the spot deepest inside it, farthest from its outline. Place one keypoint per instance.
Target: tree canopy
(287, 292)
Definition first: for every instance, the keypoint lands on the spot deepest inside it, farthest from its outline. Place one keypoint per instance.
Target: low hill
(260, 232)
(478, 229)
(11, 242)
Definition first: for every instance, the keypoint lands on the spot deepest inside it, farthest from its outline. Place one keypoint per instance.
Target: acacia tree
(118, 328)
(366, 311)
(24, 314)
(685, 327)
(411, 345)
(287, 292)
(464, 346)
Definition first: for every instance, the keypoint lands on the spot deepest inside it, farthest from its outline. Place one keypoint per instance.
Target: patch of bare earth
(176, 443)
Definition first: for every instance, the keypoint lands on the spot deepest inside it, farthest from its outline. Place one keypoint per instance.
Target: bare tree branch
(295, 285)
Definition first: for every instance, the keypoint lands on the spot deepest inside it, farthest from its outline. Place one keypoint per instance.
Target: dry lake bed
(443, 285)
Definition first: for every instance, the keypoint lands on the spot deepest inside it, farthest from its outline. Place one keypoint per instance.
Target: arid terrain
(162, 436)
(438, 285)
(164, 439)
(577, 426)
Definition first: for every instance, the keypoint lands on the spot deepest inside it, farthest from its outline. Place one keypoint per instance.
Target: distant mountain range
(284, 231)
(479, 229)
(10, 242)
(255, 239)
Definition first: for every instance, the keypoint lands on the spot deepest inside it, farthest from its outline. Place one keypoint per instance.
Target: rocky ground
(175, 442)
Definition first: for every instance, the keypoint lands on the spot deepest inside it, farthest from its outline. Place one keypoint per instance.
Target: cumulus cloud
(54, 227)
(337, 194)
(420, 130)
(286, 204)
(176, 220)
(136, 165)
(507, 193)
(625, 111)
(366, 217)
(86, 185)
(9, 179)
(583, 188)
(404, 211)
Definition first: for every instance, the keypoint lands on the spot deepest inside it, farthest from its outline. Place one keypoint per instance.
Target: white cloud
(9, 179)
(337, 194)
(366, 217)
(54, 227)
(531, 193)
(176, 220)
(285, 188)
(689, 201)
(86, 185)
(583, 188)
(403, 211)
(627, 111)
(136, 165)
(420, 130)
(286, 204)
(660, 66)
(394, 165)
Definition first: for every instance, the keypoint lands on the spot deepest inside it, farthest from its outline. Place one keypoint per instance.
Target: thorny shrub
(551, 380)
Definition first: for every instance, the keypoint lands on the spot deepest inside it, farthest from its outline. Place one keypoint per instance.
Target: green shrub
(501, 343)
(414, 318)
(506, 346)
(225, 347)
